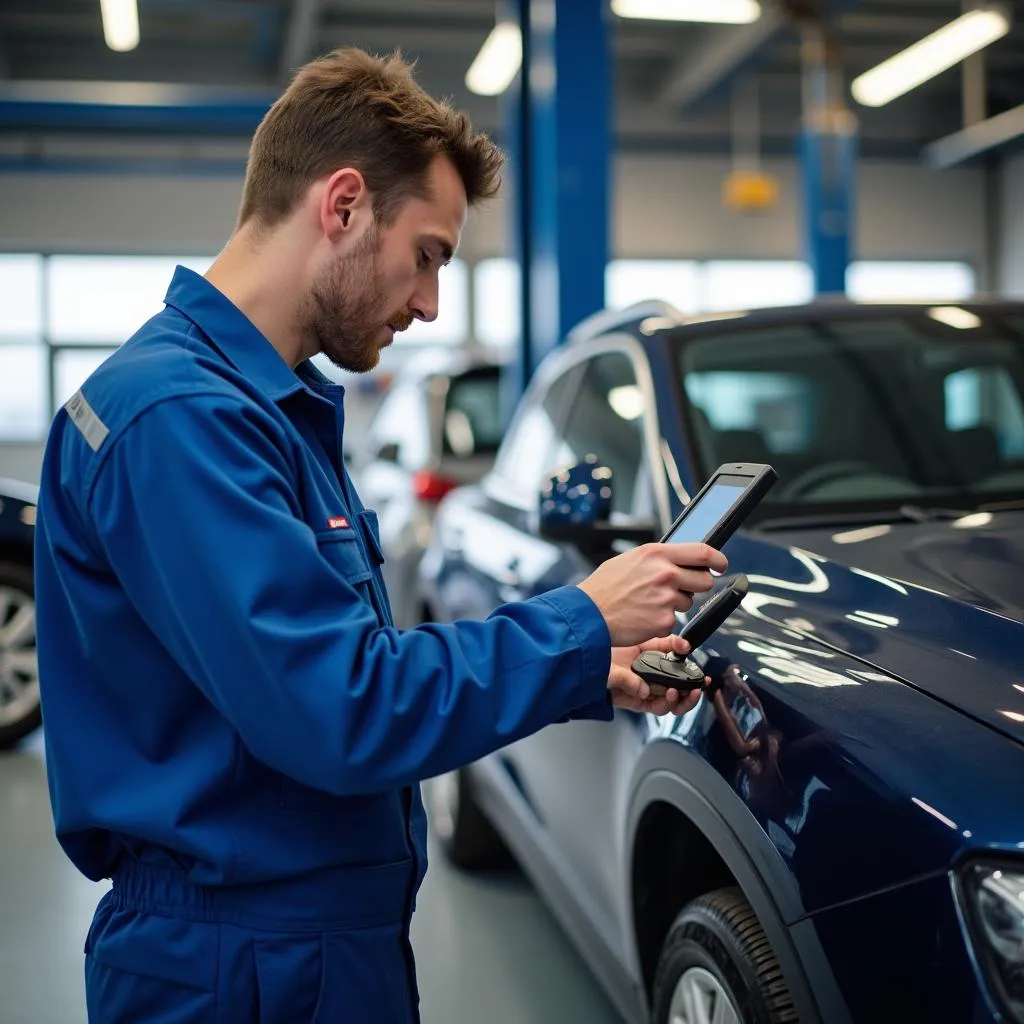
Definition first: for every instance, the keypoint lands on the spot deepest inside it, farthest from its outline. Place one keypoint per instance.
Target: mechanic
(235, 730)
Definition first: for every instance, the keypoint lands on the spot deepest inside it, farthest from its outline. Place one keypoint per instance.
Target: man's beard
(346, 310)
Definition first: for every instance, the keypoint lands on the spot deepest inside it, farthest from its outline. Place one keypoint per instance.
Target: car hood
(938, 605)
(977, 559)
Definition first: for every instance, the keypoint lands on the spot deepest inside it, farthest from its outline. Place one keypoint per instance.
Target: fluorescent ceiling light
(496, 64)
(954, 316)
(120, 24)
(720, 12)
(930, 57)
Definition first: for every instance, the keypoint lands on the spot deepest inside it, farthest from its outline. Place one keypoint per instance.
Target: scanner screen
(700, 520)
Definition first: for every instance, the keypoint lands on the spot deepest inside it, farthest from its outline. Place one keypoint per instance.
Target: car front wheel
(468, 839)
(19, 667)
(717, 967)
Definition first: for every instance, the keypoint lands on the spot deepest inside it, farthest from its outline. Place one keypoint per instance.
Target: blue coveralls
(234, 728)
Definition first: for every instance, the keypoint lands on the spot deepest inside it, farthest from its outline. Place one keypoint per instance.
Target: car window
(532, 448)
(472, 418)
(985, 398)
(864, 408)
(606, 419)
(399, 431)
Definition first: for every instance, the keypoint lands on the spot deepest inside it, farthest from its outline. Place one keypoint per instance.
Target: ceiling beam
(300, 36)
(692, 79)
(142, 107)
(976, 139)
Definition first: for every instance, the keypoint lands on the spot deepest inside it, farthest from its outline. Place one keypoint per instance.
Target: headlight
(994, 898)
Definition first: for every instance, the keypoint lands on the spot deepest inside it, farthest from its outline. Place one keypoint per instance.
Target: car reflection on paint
(835, 832)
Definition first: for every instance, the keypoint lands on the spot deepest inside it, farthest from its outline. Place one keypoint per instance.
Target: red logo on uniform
(338, 523)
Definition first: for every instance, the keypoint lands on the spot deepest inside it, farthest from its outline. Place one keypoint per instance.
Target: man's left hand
(629, 691)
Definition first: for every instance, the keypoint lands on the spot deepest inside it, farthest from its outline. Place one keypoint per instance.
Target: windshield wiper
(1001, 506)
(919, 514)
(907, 513)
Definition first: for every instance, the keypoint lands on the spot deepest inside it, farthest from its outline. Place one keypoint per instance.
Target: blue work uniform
(235, 730)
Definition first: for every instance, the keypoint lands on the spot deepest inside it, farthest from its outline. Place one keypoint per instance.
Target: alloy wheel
(700, 998)
(19, 665)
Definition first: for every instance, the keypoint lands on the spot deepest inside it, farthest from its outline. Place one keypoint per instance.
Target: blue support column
(560, 142)
(829, 182)
(828, 151)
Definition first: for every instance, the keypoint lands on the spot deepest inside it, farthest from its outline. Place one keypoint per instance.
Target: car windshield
(473, 424)
(865, 410)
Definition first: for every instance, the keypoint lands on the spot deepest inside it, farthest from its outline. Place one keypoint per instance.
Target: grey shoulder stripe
(93, 429)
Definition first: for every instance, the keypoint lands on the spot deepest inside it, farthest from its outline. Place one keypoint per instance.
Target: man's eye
(424, 258)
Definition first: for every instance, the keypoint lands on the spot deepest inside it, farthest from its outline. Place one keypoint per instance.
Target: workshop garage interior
(512, 511)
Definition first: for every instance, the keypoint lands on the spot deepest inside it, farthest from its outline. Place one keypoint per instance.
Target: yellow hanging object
(750, 191)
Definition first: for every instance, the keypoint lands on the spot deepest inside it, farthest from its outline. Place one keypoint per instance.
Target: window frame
(573, 360)
(52, 348)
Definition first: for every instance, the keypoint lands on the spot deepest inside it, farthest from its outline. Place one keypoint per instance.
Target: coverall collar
(241, 342)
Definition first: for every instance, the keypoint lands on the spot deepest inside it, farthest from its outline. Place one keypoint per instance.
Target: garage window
(60, 317)
(104, 300)
(907, 281)
(496, 302)
(753, 284)
(452, 324)
(674, 281)
(24, 399)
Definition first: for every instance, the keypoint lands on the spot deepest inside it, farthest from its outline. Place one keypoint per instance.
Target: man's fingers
(694, 581)
(630, 684)
(696, 556)
(672, 642)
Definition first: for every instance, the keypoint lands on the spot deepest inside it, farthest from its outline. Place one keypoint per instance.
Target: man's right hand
(639, 592)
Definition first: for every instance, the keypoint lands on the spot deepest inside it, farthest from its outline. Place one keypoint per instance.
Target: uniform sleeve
(196, 509)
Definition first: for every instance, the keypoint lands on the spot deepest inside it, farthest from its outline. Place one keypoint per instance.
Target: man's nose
(424, 303)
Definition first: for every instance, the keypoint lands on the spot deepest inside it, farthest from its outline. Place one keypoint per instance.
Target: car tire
(464, 833)
(717, 964)
(19, 683)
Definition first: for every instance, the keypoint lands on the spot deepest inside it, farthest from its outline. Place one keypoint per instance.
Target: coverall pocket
(341, 550)
(371, 534)
(142, 969)
(366, 978)
(289, 977)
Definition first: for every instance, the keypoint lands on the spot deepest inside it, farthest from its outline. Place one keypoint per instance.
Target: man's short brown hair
(351, 109)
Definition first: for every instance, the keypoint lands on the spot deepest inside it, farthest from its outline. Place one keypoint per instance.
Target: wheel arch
(677, 789)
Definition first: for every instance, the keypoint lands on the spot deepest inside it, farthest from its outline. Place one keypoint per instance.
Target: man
(235, 730)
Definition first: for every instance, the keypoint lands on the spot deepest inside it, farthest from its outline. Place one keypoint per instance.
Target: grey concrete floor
(487, 949)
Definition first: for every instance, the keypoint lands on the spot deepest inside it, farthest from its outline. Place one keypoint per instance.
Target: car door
(486, 536)
(570, 771)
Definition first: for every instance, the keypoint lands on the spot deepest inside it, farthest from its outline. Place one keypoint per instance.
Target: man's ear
(344, 204)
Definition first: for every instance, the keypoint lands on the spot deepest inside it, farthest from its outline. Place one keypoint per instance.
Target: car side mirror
(388, 452)
(575, 508)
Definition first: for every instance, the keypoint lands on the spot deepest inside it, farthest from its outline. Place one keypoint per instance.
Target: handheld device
(669, 670)
(722, 504)
(657, 668)
(715, 610)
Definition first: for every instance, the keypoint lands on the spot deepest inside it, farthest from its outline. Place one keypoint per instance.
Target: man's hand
(639, 592)
(628, 690)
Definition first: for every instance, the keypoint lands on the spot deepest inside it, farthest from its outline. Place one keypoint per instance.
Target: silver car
(19, 670)
(438, 427)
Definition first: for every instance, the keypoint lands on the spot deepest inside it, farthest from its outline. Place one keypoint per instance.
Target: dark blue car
(836, 832)
(19, 671)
